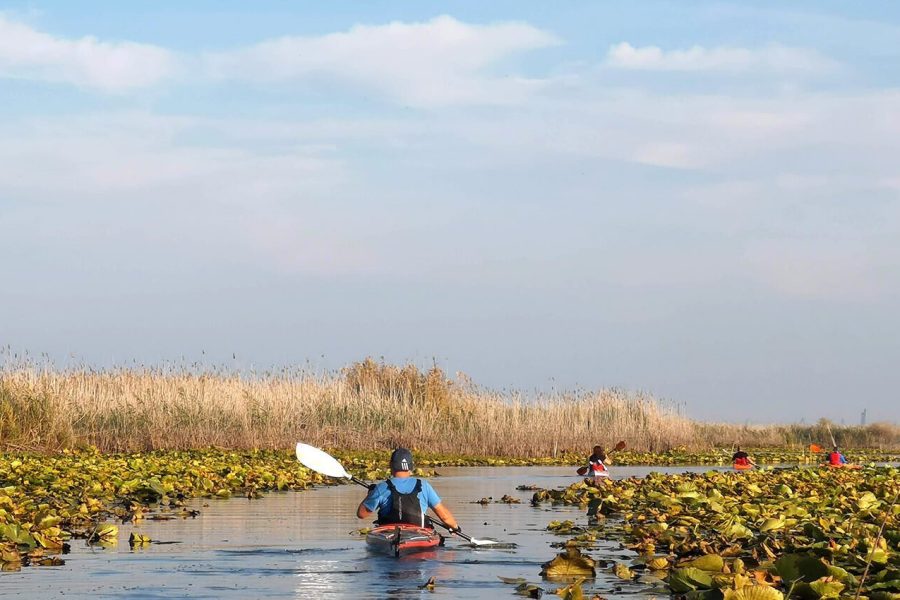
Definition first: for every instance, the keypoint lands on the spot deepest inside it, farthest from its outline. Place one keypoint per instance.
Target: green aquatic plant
(47, 500)
(806, 532)
(569, 563)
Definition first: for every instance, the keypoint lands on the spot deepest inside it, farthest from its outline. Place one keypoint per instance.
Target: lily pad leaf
(826, 589)
(771, 524)
(800, 567)
(570, 563)
(867, 501)
(754, 592)
(708, 562)
(17, 535)
(688, 579)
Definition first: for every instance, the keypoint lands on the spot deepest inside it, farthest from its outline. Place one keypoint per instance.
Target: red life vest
(598, 469)
(742, 461)
(834, 458)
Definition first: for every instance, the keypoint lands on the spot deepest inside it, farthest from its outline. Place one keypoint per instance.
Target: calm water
(302, 545)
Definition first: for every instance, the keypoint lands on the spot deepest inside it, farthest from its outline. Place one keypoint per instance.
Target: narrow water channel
(303, 545)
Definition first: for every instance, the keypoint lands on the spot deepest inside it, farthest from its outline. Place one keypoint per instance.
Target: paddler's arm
(362, 512)
(446, 516)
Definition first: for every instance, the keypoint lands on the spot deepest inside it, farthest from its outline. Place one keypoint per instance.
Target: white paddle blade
(319, 461)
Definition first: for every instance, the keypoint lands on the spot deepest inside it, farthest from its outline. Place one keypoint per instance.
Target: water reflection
(305, 545)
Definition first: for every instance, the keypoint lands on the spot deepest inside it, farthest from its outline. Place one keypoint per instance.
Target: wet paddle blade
(582, 470)
(319, 461)
(815, 448)
(620, 445)
(482, 542)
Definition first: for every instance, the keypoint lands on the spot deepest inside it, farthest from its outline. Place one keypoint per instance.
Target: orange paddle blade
(815, 448)
(582, 470)
(620, 445)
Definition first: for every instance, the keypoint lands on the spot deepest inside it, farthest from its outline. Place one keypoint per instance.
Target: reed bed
(367, 406)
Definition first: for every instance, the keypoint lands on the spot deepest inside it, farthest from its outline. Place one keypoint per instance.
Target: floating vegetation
(763, 456)
(806, 533)
(523, 588)
(569, 564)
(46, 501)
(506, 499)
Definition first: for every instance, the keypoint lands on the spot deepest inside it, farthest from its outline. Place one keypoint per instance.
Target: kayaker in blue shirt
(404, 498)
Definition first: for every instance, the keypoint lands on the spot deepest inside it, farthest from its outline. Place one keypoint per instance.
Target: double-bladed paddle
(321, 462)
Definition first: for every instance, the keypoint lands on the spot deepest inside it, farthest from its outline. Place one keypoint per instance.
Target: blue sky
(701, 201)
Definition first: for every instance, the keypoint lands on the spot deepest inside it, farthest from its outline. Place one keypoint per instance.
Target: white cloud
(26, 53)
(773, 57)
(439, 62)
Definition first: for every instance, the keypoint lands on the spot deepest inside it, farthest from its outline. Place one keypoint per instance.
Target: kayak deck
(401, 539)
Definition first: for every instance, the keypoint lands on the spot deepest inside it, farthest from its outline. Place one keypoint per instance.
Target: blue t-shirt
(379, 499)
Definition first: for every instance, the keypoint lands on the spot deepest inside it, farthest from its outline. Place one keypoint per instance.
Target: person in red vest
(596, 464)
(742, 460)
(835, 458)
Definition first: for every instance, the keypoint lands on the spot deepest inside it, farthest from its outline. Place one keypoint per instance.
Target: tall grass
(369, 405)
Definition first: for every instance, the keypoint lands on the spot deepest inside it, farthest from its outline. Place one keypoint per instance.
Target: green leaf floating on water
(843, 576)
(571, 563)
(17, 535)
(704, 595)
(709, 562)
(623, 572)
(688, 579)
(826, 589)
(137, 539)
(800, 567)
(754, 592)
(867, 501)
(529, 590)
(772, 523)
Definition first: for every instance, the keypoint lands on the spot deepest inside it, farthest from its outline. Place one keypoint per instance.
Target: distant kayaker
(404, 498)
(742, 460)
(596, 466)
(835, 458)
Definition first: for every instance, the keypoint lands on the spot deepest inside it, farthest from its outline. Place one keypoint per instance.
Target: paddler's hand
(456, 529)
(372, 486)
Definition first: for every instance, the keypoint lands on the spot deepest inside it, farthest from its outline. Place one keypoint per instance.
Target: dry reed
(369, 405)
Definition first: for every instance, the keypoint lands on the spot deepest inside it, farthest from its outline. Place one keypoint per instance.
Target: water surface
(303, 545)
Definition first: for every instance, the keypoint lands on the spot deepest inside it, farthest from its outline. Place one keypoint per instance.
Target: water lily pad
(687, 579)
(800, 567)
(772, 524)
(622, 571)
(571, 563)
(754, 592)
(708, 562)
(825, 588)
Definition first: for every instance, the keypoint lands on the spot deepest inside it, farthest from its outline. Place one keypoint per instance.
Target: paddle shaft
(360, 482)
(434, 521)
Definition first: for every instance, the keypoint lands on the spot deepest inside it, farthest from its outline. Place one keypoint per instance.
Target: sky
(700, 201)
